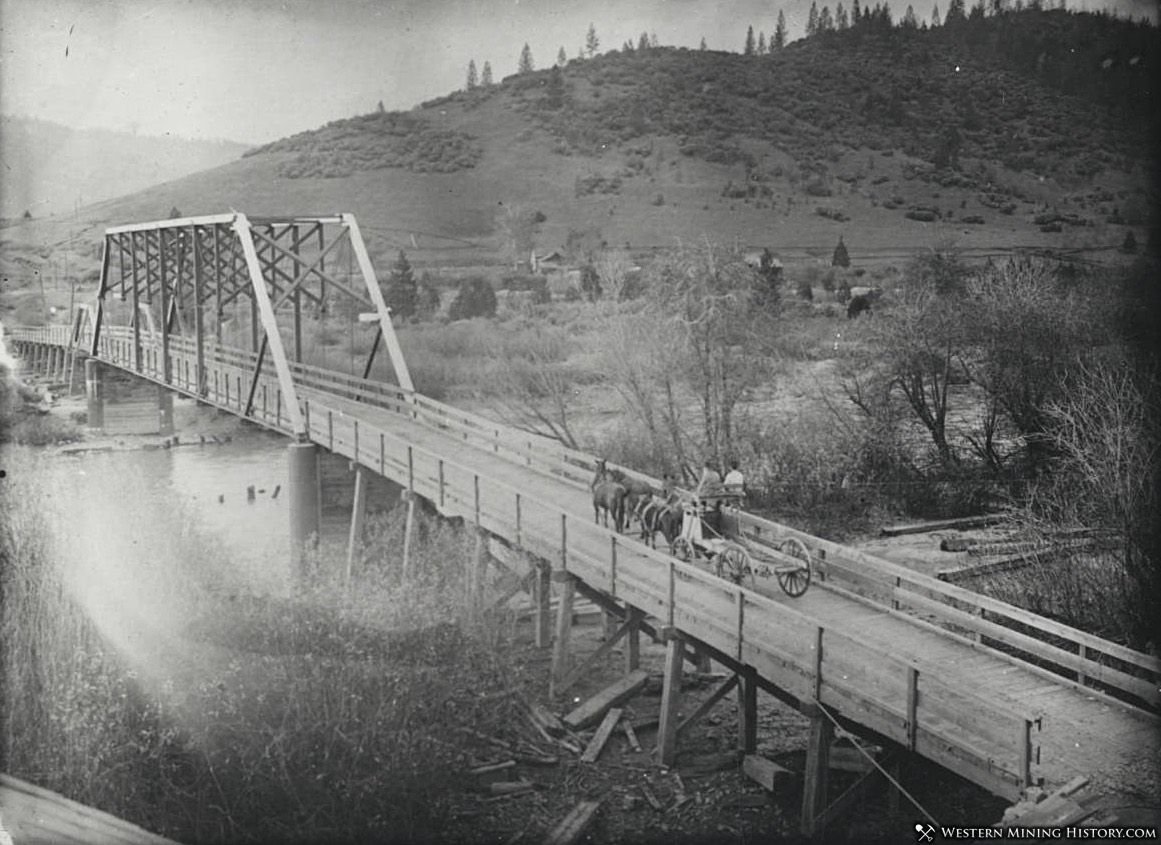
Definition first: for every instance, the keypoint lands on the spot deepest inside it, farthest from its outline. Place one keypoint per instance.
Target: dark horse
(657, 515)
(608, 495)
(637, 492)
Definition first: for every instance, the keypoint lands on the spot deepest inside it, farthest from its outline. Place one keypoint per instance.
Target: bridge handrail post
(818, 635)
(441, 499)
(613, 565)
(410, 469)
(331, 429)
(476, 496)
(672, 590)
(740, 597)
(519, 542)
(564, 541)
(356, 435)
(912, 706)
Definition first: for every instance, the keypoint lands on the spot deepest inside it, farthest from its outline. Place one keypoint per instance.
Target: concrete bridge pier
(305, 500)
(164, 411)
(95, 391)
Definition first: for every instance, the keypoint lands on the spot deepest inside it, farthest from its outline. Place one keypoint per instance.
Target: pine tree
(856, 14)
(561, 58)
(643, 41)
(956, 13)
(473, 80)
(702, 46)
(909, 20)
(379, 108)
(525, 64)
(402, 290)
(935, 15)
(653, 42)
(779, 40)
(841, 21)
(840, 257)
(592, 43)
(761, 43)
(977, 12)
(486, 78)
(812, 19)
(825, 21)
(748, 50)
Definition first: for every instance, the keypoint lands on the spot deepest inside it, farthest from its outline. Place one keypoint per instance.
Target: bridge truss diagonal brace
(241, 227)
(402, 374)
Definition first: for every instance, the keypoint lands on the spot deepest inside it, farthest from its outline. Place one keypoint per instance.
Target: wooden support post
(633, 642)
(748, 711)
(560, 643)
(358, 513)
(817, 768)
(542, 595)
(670, 698)
(408, 530)
(305, 500)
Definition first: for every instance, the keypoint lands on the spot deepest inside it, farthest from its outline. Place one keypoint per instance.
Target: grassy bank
(322, 716)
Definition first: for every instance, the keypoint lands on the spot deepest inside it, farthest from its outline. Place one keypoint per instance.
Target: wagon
(730, 554)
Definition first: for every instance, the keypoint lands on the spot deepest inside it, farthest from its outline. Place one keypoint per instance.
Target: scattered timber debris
(765, 773)
(590, 712)
(602, 736)
(572, 827)
(943, 525)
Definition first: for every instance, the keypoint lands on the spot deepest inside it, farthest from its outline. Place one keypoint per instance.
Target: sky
(257, 70)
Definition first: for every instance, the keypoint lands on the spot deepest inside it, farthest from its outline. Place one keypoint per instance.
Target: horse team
(625, 498)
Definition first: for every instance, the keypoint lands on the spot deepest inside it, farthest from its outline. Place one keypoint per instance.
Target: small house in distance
(548, 263)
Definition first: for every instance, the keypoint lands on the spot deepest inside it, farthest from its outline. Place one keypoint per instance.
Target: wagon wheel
(734, 563)
(794, 582)
(683, 549)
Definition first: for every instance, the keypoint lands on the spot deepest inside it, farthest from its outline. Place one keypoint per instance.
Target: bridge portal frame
(276, 263)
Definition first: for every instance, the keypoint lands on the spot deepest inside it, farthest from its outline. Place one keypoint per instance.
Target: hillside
(1027, 128)
(49, 167)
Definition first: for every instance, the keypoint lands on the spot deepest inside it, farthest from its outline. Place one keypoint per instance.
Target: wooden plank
(670, 700)
(590, 712)
(631, 735)
(765, 773)
(602, 736)
(960, 524)
(34, 814)
(572, 827)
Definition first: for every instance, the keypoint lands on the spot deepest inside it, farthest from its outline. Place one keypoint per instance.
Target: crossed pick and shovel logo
(925, 832)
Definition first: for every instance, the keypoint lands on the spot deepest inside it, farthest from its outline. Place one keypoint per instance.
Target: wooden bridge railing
(926, 707)
(1059, 650)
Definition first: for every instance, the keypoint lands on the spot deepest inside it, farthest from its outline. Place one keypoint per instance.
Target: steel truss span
(229, 280)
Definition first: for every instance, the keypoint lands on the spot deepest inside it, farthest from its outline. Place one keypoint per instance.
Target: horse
(608, 495)
(655, 515)
(636, 492)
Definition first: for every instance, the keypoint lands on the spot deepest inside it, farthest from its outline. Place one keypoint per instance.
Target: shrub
(805, 291)
(922, 215)
(475, 298)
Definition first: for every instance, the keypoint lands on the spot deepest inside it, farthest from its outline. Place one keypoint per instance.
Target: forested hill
(1023, 127)
(1050, 92)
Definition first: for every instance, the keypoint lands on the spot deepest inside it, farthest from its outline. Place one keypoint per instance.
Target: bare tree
(531, 385)
(1104, 430)
(612, 266)
(704, 294)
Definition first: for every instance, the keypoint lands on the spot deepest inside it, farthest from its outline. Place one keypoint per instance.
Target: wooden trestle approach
(214, 307)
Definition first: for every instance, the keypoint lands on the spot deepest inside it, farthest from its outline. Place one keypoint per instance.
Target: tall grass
(327, 715)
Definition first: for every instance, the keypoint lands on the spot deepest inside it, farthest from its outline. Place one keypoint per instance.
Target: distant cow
(857, 306)
(863, 301)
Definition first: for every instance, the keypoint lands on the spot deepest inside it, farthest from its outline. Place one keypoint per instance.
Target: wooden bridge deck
(996, 694)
